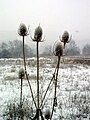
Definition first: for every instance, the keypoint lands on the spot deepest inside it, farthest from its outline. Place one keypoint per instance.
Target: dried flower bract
(47, 114)
(38, 34)
(22, 31)
(21, 73)
(58, 49)
(65, 36)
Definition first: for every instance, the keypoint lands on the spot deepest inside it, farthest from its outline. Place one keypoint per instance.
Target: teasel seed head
(47, 114)
(23, 31)
(58, 49)
(38, 34)
(65, 36)
(21, 73)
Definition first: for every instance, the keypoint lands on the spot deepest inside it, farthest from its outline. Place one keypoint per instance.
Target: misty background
(54, 16)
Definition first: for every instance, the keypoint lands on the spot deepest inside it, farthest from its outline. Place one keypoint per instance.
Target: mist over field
(73, 93)
(45, 60)
(50, 38)
(54, 17)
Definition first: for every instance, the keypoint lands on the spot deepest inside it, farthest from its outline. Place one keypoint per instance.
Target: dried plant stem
(47, 89)
(55, 98)
(21, 102)
(21, 93)
(27, 74)
(24, 55)
(38, 79)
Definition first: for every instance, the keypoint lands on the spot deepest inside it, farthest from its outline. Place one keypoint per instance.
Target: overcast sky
(54, 16)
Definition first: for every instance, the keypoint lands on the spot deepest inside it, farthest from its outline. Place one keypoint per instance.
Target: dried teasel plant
(21, 73)
(38, 38)
(66, 38)
(58, 49)
(38, 34)
(22, 30)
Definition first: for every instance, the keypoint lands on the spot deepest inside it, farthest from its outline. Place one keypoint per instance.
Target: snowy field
(73, 90)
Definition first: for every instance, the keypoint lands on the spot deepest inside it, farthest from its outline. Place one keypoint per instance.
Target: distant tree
(5, 54)
(86, 50)
(3, 46)
(47, 51)
(72, 49)
(28, 51)
(14, 49)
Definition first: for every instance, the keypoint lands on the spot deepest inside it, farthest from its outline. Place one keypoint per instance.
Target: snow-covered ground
(73, 90)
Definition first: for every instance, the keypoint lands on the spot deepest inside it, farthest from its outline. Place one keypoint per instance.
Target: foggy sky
(54, 16)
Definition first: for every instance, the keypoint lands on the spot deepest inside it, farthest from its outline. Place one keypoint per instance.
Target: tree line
(71, 50)
(14, 49)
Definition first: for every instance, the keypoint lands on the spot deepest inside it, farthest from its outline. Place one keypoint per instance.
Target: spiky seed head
(38, 34)
(58, 49)
(22, 31)
(47, 114)
(21, 73)
(65, 36)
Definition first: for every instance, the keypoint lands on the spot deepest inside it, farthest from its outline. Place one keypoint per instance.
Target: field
(73, 89)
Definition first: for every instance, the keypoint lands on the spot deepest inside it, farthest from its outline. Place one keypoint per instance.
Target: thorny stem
(57, 75)
(31, 90)
(27, 74)
(48, 88)
(37, 79)
(21, 103)
(24, 55)
(21, 93)
(55, 99)
(47, 97)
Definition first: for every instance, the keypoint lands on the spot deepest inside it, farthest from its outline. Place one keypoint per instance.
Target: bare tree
(72, 49)
(47, 51)
(86, 50)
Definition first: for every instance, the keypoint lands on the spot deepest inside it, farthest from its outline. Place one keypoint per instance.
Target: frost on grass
(73, 93)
